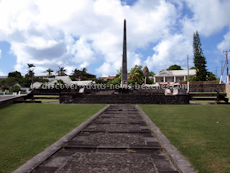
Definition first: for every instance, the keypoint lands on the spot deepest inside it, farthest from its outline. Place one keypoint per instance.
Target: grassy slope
(200, 132)
(27, 129)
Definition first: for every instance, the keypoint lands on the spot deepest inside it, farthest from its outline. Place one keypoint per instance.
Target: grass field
(27, 129)
(44, 100)
(200, 132)
(46, 95)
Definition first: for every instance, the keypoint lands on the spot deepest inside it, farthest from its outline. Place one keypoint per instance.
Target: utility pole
(188, 74)
(222, 72)
(221, 67)
(216, 71)
(226, 53)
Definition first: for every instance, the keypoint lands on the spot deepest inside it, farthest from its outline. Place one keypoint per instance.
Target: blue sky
(77, 34)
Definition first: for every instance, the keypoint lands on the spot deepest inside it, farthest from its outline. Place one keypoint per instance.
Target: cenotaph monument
(124, 83)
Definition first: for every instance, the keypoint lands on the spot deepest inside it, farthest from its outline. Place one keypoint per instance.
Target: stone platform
(119, 140)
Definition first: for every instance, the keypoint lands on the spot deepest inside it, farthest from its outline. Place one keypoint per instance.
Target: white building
(66, 79)
(173, 76)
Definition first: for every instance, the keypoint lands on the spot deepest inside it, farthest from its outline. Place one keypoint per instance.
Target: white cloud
(1, 73)
(225, 44)
(0, 53)
(77, 34)
(72, 33)
(208, 16)
(173, 50)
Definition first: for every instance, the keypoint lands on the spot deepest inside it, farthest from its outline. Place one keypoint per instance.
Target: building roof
(110, 78)
(46, 74)
(65, 79)
(3, 77)
(192, 72)
(82, 83)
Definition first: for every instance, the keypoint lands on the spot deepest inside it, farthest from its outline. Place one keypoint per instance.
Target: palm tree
(49, 71)
(61, 71)
(146, 72)
(136, 74)
(119, 73)
(76, 73)
(83, 72)
(31, 72)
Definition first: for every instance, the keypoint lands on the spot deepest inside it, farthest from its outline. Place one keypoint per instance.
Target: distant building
(173, 76)
(86, 75)
(108, 78)
(66, 79)
(45, 75)
(3, 77)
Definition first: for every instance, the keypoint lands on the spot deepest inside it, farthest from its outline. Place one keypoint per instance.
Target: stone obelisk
(124, 60)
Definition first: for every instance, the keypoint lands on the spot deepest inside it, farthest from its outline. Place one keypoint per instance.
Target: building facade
(173, 76)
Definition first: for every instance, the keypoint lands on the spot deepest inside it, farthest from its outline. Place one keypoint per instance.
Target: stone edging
(31, 164)
(177, 158)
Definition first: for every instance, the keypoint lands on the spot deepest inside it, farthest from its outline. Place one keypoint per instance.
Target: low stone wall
(207, 88)
(10, 101)
(53, 91)
(227, 88)
(123, 99)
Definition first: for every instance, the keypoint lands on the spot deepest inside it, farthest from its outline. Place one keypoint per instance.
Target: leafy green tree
(211, 76)
(76, 73)
(5, 87)
(115, 81)
(175, 67)
(151, 73)
(15, 74)
(136, 75)
(31, 72)
(119, 73)
(199, 59)
(15, 89)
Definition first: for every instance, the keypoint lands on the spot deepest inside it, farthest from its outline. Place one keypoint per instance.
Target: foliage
(136, 75)
(76, 73)
(61, 71)
(175, 67)
(115, 81)
(37, 79)
(151, 73)
(11, 80)
(199, 59)
(72, 78)
(119, 73)
(15, 88)
(49, 71)
(5, 87)
(15, 74)
(210, 76)
(193, 68)
(149, 81)
(30, 74)
(192, 78)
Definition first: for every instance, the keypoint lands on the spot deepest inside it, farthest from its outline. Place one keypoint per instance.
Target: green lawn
(46, 95)
(200, 132)
(44, 100)
(27, 129)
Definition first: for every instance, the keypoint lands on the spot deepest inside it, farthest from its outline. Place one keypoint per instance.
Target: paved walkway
(119, 140)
